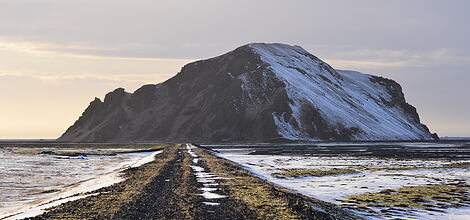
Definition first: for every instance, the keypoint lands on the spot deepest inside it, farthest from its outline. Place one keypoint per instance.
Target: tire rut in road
(159, 199)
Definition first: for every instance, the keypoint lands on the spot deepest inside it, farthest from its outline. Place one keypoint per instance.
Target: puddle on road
(207, 179)
(211, 203)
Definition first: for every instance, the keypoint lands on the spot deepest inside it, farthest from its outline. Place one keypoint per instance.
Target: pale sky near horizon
(56, 56)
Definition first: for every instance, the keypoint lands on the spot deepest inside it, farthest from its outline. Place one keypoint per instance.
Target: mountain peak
(276, 48)
(258, 92)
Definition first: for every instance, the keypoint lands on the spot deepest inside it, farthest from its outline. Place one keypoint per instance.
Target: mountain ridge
(257, 92)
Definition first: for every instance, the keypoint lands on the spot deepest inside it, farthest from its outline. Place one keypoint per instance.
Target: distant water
(27, 140)
(27, 176)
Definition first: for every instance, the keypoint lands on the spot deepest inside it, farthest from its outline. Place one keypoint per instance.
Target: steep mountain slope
(258, 92)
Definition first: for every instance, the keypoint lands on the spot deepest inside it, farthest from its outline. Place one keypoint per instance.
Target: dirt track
(168, 188)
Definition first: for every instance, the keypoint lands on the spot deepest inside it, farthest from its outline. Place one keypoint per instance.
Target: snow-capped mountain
(258, 92)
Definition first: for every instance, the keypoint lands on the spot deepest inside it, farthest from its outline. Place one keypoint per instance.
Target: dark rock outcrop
(258, 93)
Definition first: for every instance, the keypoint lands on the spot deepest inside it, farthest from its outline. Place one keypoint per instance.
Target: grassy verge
(249, 189)
(267, 200)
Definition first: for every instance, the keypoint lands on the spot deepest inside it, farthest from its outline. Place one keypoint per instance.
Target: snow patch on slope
(343, 98)
(286, 129)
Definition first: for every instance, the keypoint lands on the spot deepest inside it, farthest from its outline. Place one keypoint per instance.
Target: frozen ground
(30, 180)
(372, 174)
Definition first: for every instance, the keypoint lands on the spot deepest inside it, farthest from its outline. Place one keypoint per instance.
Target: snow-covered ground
(31, 182)
(336, 188)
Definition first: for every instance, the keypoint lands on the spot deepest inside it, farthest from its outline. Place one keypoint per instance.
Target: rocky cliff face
(258, 92)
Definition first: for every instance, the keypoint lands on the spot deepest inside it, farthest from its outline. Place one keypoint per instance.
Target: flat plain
(236, 181)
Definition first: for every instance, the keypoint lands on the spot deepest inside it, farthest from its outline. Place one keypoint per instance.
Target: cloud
(360, 64)
(56, 63)
(76, 50)
(122, 78)
(376, 59)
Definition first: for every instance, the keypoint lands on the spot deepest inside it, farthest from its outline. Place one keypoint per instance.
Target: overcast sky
(56, 55)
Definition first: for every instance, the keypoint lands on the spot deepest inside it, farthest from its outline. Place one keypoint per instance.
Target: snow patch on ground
(336, 188)
(449, 214)
(211, 203)
(147, 159)
(37, 206)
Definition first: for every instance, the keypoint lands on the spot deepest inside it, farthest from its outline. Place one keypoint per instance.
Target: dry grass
(457, 165)
(250, 190)
(464, 165)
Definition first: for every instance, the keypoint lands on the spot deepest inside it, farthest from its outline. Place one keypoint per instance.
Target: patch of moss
(294, 173)
(422, 196)
(464, 165)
